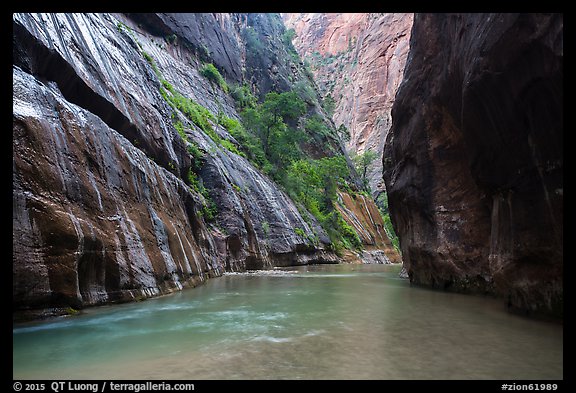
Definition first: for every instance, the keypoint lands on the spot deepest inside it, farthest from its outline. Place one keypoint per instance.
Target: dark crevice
(47, 64)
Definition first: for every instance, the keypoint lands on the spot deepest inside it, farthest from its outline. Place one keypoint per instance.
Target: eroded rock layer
(102, 208)
(474, 161)
(362, 214)
(358, 59)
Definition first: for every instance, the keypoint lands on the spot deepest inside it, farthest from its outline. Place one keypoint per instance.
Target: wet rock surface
(361, 213)
(474, 162)
(94, 219)
(101, 208)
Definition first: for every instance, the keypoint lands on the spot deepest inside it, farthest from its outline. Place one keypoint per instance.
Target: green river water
(310, 322)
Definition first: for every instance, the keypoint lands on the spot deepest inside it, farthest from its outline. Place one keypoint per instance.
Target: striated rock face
(101, 209)
(94, 219)
(362, 214)
(358, 59)
(474, 161)
(211, 36)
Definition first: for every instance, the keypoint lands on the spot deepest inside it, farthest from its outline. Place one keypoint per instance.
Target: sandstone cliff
(104, 206)
(474, 161)
(101, 208)
(362, 214)
(358, 59)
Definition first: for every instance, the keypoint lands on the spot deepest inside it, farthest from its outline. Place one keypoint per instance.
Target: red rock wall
(362, 214)
(360, 61)
(474, 162)
(103, 208)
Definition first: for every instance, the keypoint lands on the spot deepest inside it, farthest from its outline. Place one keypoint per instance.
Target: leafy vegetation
(277, 129)
(152, 63)
(343, 133)
(287, 38)
(196, 113)
(199, 116)
(316, 127)
(363, 162)
(266, 228)
(382, 203)
(305, 91)
(71, 311)
(329, 105)
(314, 183)
(243, 96)
(270, 135)
(249, 144)
(196, 155)
(172, 38)
(278, 141)
(210, 72)
(192, 110)
(254, 47)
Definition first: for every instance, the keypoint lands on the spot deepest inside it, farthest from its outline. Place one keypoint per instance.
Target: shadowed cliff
(474, 161)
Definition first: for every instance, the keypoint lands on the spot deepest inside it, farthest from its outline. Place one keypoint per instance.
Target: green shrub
(363, 162)
(203, 52)
(152, 63)
(243, 96)
(195, 112)
(389, 228)
(305, 90)
(196, 155)
(314, 184)
(209, 209)
(329, 105)
(193, 181)
(172, 38)
(71, 311)
(287, 38)
(266, 139)
(266, 228)
(254, 47)
(300, 232)
(180, 129)
(231, 147)
(348, 233)
(210, 72)
(316, 127)
(382, 203)
(252, 149)
(201, 117)
(343, 133)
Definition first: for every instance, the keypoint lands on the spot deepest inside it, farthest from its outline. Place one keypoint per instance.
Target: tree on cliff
(268, 120)
(362, 162)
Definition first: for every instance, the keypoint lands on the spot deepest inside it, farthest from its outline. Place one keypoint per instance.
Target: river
(310, 322)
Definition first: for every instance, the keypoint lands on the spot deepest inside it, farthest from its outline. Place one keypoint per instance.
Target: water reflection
(314, 322)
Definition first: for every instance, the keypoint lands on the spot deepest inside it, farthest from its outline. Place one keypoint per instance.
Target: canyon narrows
(474, 160)
(145, 160)
(287, 196)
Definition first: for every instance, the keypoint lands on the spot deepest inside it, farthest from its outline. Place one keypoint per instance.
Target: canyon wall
(105, 207)
(362, 214)
(473, 164)
(102, 210)
(358, 59)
